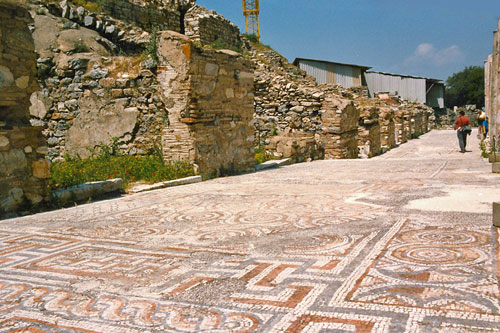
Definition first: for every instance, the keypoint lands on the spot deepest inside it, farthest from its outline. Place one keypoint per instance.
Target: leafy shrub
(43, 72)
(80, 47)
(484, 153)
(261, 155)
(40, 11)
(415, 135)
(94, 6)
(220, 44)
(152, 46)
(251, 37)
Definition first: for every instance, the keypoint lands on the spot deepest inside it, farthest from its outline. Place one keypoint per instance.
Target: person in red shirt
(460, 123)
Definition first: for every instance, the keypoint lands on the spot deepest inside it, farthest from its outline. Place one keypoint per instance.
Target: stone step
(176, 182)
(273, 164)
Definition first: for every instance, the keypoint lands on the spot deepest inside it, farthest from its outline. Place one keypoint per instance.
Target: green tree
(466, 87)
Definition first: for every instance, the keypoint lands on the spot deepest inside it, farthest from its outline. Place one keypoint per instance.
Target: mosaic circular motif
(445, 237)
(433, 255)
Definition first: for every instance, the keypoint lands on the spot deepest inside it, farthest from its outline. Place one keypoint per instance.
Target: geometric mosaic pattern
(300, 249)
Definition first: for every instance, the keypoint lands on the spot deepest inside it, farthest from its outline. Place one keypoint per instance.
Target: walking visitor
(462, 125)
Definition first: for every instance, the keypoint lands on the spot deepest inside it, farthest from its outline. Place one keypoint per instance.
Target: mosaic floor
(328, 246)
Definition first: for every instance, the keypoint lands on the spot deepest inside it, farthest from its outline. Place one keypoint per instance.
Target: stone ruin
(105, 77)
(492, 91)
(210, 99)
(24, 171)
(299, 119)
(295, 118)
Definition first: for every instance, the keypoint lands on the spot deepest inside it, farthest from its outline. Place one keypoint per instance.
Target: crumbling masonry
(210, 98)
(23, 168)
(492, 90)
(105, 78)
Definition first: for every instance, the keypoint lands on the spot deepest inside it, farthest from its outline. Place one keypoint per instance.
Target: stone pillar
(24, 172)
(387, 128)
(495, 90)
(339, 131)
(369, 132)
(487, 86)
(210, 99)
(496, 214)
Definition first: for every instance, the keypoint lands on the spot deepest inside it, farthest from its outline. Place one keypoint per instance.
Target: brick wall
(210, 99)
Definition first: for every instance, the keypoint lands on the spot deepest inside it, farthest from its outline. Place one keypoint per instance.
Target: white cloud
(452, 54)
(424, 50)
(426, 53)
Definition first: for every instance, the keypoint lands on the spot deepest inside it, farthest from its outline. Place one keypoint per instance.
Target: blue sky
(423, 38)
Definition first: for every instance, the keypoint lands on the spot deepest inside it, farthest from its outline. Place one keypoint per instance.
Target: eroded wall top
(17, 63)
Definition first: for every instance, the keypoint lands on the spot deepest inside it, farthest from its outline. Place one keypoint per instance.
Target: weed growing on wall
(484, 153)
(261, 155)
(80, 47)
(94, 6)
(152, 47)
(219, 44)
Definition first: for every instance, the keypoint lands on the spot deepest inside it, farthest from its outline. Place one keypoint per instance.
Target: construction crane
(251, 13)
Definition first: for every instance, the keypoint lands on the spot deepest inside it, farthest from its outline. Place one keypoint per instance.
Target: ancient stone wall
(90, 97)
(339, 130)
(369, 135)
(114, 34)
(210, 95)
(23, 169)
(387, 128)
(295, 118)
(492, 90)
(162, 15)
(206, 27)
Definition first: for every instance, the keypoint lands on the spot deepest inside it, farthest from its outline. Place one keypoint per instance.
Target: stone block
(116, 93)
(88, 190)
(170, 183)
(41, 169)
(494, 157)
(4, 141)
(107, 82)
(496, 214)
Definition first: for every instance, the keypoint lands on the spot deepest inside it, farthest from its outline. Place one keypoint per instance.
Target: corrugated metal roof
(410, 76)
(297, 60)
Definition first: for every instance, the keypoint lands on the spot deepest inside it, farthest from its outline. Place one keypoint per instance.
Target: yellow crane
(251, 13)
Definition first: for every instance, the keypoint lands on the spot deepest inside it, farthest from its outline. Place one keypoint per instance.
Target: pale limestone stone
(4, 141)
(246, 75)
(22, 82)
(88, 190)
(229, 92)
(99, 122)
(28, 149)
(40, 104)
(41, 169)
